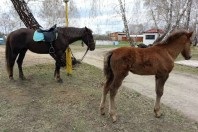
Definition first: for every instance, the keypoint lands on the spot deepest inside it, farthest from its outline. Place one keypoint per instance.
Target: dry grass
(40, 104)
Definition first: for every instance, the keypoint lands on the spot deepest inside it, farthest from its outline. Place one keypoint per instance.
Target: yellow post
(68, 50)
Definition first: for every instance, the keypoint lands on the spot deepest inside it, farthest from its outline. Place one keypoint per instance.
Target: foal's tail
(107, 67)
(8, 53)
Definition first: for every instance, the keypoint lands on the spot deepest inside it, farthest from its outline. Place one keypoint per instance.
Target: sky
(107, 20)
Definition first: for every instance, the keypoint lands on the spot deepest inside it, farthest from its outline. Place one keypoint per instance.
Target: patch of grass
(41, 104)
(185, 69)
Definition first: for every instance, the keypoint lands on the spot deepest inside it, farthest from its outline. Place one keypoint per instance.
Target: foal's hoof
(157, 114)
(102, 111)
(114, 118)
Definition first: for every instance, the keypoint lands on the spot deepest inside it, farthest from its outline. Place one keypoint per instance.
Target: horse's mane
(173, 36)
(73, 29)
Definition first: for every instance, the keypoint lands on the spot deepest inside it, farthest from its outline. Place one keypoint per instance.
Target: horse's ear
(190, 34)
(86, 28)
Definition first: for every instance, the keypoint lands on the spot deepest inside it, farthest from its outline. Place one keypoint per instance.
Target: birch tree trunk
(179, 18)
(170, 28)
(169, 23)
(188, 12)
(25, 14)
(122, 9)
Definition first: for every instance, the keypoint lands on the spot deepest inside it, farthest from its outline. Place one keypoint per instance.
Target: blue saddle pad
(38, 36)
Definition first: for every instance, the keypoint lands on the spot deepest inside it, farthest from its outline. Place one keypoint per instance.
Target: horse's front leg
(57, 71)
(159, 88)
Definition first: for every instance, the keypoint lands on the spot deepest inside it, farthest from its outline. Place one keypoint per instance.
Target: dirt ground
(181, 91)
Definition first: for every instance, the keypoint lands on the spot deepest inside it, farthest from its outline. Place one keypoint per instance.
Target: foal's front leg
(159, 88)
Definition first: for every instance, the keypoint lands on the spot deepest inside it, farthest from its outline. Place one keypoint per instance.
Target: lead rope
(83, 55)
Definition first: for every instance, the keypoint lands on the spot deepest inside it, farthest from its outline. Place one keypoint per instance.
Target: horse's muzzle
(92, 47)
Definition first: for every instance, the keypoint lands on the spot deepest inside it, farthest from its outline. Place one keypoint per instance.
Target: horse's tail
(107, 67)
(8, 53)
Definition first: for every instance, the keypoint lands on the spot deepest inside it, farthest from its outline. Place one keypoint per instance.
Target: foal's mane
(173, 36)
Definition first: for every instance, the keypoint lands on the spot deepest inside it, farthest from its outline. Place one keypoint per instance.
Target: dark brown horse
(19, 41)
(156, 60)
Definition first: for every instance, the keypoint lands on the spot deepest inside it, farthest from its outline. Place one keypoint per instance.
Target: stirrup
(51, 50)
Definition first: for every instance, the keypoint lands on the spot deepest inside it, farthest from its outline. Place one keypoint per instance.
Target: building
(147, 37)
(121, 36)
(118, 36)
(151, 35)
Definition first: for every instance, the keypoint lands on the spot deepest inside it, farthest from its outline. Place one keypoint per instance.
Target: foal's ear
(190, 34)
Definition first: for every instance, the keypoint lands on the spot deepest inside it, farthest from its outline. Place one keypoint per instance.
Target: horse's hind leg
(160, 81)
(117, 81)
(104, 94)
(20, 62)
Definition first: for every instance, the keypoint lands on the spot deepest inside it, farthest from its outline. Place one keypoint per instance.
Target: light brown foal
(157, 60)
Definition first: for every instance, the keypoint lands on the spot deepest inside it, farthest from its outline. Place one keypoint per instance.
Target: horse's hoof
(59, 80)
(22, 78)
(11, 78)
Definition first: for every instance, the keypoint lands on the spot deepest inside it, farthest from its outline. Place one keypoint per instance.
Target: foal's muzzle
(188, 58)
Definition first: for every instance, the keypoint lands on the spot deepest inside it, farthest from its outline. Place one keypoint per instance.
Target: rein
(86, 50)
(84, 54)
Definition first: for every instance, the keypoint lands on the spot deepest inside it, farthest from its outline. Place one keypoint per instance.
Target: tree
(96, 8)
(7, 23)
(25, 14)
(126, 28)
(53, 12)
(171, 12)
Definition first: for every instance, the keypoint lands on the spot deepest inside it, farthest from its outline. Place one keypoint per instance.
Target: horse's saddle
(47, 35)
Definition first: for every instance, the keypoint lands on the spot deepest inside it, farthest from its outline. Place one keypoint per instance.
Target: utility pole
(68, 50)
